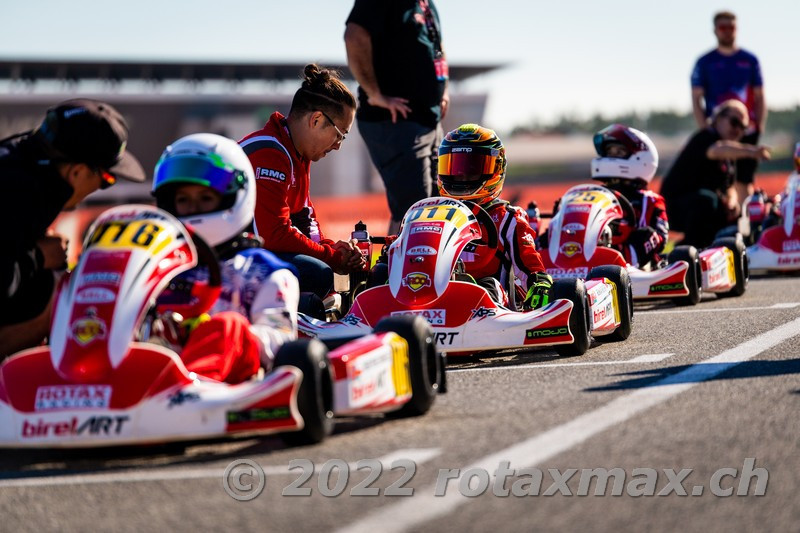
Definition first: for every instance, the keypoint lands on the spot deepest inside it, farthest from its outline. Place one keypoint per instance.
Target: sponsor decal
(260, 414)
(416, 281)
(360, 390)
(577, 272)
(665, 287)
(788, 260)
(109, 278)
(89, 328)
(791, 246)
(72, 396)
(428, 227)
(482, 312)
(528, 238)
(268, 173)
(444, 338)
(461, 149)
(573, 227)
(578, 208)
(351, 320)
(95, 295)
(601, 314)
(540, 333)
(421, 250)
(437, 317)
(181, 397)
(94, 425)
(571, 248)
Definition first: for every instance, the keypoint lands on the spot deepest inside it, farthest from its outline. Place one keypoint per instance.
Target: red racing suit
(515, 248)
(646, 236)
(284, 216)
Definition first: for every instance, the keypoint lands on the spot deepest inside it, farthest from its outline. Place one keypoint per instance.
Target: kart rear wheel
(619, 276)
(740, 267)
(315, 397)
(694, 276)
(573, 290)
(424, 365)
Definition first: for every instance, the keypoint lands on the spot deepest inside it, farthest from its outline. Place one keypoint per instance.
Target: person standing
(725, 73)
(394, 50)
(78, 149)
(281, 153)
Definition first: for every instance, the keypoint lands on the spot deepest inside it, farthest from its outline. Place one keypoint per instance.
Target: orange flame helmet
(472, 164)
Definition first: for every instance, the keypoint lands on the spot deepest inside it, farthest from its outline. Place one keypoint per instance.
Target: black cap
(90, 132)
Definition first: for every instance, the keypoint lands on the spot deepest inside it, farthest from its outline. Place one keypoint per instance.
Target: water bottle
(361, 235)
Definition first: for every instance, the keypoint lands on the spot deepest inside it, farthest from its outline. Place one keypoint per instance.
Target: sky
(577, 57)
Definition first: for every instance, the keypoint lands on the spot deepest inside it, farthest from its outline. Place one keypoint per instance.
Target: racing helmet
(472, 164)
(641, 163)
(217, 162)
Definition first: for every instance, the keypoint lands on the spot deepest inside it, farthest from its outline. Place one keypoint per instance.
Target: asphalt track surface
(701, 388)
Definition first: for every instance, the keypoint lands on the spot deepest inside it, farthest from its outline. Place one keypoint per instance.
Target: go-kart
(777, 248)
(99, 383)
(592, 219)
(422, 266)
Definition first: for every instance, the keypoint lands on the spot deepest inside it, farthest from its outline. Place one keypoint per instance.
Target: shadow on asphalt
(704, 372)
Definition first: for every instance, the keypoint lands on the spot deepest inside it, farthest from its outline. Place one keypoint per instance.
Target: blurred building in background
(164, 101)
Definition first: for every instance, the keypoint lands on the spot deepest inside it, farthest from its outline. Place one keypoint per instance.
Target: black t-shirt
(692, 170)
(404, 45)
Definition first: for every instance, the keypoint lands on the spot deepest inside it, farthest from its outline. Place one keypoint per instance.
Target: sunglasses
(736, 123)
(342, 136)
(726, 27)
(106, 179)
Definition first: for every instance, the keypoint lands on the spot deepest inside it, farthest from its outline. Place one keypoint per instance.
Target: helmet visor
(205, 170)
(467, 163)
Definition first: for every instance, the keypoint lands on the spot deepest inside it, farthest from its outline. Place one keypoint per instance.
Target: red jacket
(284, 217)
(515, 249)
(651, 212)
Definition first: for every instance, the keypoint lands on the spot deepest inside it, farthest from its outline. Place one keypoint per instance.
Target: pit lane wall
(337, 221)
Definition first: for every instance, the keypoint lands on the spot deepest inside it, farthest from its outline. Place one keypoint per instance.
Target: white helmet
(641, 163)
(219, 163)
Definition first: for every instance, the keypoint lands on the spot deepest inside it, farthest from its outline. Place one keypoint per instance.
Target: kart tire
(740, 266)
(573, 290)
(315, 396)
(424, 365)
(694, 276)
(619, 276)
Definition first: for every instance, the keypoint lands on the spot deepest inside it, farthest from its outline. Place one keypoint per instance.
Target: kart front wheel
(315, 397)
(694, 276)
(622, 281)
(573, 290)
(425, 367)
(740, 267)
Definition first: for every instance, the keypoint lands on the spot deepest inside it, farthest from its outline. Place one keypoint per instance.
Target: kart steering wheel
(193, 298)
(628, 212)
(489, 233)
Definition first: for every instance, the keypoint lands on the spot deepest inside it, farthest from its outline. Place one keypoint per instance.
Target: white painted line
(418, 455)
(787, 305)
(649, 358)
(412, 513)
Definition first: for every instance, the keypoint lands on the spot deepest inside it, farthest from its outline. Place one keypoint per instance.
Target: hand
(394, 104)
(54, 251)
(445, 104)
(645, 242)
(539, 292)
(763, 153)
(347, 257)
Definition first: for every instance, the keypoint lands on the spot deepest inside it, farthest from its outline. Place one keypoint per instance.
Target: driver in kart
(472, 166)
(626, 163)
(207, 181)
